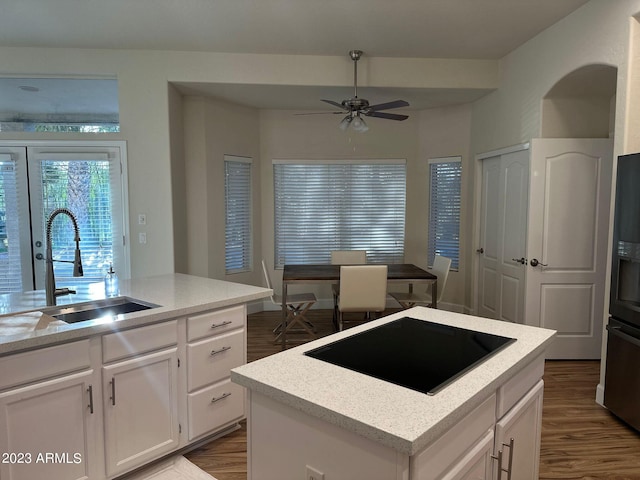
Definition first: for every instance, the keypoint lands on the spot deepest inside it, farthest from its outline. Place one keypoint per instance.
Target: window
(444, 209)
(237, 193)
(339, 205)
(11, 252)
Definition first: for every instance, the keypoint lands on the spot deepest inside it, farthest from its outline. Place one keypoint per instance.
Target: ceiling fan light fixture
(344, 124)
(359, 125)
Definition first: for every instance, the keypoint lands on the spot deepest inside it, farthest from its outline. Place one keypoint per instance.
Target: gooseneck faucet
(50, 282)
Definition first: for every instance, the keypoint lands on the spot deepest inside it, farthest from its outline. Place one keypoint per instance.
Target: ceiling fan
(357, 107)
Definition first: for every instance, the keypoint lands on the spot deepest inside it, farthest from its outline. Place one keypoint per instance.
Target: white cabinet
(216, 344)
(464, 449)
(476, 464)
(522, 424)
(100, 407)
(283, 440)
(50, 429)
(140, 397)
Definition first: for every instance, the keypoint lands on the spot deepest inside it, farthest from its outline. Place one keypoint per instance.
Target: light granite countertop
(398, 417)
(176, 294)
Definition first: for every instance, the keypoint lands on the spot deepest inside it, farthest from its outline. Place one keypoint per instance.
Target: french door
(35, 179)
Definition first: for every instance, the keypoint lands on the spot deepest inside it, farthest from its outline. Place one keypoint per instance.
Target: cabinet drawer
(214, 407)
(443, 454)
(217, 321)
(139, 340)
(515, 388)
(47, 362)
(210, 360)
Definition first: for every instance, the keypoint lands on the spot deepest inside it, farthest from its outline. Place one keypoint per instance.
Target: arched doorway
(569, 210)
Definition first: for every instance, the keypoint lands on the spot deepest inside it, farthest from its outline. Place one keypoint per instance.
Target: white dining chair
(344, 257)
(363, 288)
(297, 306)
(441, 267)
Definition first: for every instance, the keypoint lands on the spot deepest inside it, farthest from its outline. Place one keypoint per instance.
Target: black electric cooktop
(412, 353)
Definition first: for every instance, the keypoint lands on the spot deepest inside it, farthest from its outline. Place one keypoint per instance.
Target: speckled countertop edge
(397, 417)
(177, 294)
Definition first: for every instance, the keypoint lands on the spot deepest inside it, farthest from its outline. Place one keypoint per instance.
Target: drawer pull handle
(216, 352)
(217, 399)
(216, 325)
(113, 391)
(499, 458)
(90, 392)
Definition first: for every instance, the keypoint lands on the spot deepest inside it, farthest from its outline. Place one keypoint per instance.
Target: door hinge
(179, 428)
(178, 363)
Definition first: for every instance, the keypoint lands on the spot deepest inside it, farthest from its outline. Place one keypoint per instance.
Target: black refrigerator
(622, 377)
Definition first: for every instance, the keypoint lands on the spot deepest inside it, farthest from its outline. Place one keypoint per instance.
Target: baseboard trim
(600, 395)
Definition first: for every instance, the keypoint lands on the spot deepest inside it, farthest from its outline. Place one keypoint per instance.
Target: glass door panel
(16, 272)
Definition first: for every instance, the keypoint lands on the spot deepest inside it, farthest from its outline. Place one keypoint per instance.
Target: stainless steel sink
(99, 309)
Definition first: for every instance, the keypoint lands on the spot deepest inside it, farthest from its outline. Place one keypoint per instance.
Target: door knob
(480, 250)
(522, 260)
(534, 263)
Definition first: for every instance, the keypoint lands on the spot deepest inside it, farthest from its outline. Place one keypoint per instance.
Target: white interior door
(570, 198)
(501, 273)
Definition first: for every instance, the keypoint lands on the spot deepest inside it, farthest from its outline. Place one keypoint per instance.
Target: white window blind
(10, 253)
(322, 206)
(238, 214)
(445, 176)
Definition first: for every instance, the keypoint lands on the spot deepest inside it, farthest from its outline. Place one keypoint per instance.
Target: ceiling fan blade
(335, 104)
(319, 113)
(388, 105)
(388, 116)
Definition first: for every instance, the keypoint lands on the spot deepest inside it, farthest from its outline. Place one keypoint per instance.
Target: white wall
(145, 103)
(598, 33)
(213, 129)
(427, 134)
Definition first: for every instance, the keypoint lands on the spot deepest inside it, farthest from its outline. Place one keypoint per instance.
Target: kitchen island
(99, 398)
(309, 417)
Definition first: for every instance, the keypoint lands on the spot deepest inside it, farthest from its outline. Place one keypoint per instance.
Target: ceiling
(460, 29)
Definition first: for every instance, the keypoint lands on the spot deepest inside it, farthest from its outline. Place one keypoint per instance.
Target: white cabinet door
(523, 424)
(141, 410)
(48, 430)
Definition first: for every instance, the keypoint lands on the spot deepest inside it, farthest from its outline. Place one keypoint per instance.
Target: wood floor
(580, 439)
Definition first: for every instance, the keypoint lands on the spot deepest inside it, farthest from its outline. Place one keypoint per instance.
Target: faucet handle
(63, 291)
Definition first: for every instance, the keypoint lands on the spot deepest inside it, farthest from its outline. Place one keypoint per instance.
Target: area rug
(176, 468)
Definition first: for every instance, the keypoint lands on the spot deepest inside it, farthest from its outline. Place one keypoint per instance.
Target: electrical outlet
(314, 474)
(142, 237)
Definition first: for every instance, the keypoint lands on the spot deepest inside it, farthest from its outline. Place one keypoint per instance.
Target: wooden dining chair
(297, 306)
(363, 288)
(441, 267)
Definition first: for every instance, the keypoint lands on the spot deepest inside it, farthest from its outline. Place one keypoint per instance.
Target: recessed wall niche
(581, 104)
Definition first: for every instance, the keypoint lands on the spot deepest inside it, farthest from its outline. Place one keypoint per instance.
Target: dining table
(405, 273)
